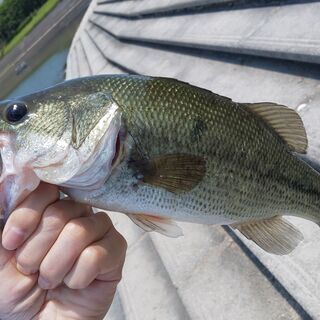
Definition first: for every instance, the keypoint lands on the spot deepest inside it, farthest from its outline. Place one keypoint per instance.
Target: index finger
(25, 218)
(5, 255)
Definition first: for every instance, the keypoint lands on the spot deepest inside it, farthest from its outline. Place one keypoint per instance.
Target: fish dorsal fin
(285, 121)
(275, 235)
(161, 225)
(174, 172)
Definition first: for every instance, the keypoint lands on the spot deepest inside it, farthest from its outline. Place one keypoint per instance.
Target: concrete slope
(289, 32)
(146, 7)
(210, 273)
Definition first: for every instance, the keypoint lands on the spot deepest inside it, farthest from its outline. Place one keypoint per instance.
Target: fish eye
(16, 111)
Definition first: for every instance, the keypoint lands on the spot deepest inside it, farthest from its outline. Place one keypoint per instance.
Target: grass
(37, 17)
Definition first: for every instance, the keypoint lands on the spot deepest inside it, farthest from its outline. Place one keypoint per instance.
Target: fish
(161, 150)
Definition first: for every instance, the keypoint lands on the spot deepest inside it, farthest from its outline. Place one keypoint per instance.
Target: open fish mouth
(17, 181)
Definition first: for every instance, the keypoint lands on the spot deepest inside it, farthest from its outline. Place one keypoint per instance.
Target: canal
(52, 71)
(47, 67)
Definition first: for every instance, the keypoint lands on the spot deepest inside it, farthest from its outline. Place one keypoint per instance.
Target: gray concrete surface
(190, 278)
(214, 277)
(143, 7)
(290, 32)
(249, 84)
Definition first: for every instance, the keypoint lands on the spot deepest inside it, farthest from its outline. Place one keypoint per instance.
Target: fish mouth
(17, 181)
(5, 177)
(116, 151)
(119, 149)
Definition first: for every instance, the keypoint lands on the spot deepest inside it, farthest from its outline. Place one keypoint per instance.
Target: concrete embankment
(224, 46)
(33, 50)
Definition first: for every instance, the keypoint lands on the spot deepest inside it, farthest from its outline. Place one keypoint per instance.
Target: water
(51, 72)
(46, 66)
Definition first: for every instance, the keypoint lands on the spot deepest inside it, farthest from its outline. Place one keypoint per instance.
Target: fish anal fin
(161, 225)
(174, 172)
(275, 235)
(285, 122)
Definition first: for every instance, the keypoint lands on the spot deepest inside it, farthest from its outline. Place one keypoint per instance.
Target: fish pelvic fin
(284, 121)
(275, 235)
(161, 225)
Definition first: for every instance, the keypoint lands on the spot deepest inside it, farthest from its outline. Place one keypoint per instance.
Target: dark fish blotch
(199, 128)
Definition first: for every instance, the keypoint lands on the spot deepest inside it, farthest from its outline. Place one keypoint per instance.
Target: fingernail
(25, 270)
(44, 283)
(13, 238)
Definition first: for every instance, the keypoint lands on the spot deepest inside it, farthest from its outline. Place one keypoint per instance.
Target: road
(60, 20)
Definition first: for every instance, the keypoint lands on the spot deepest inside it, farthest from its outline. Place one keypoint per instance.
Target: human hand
(58, 260)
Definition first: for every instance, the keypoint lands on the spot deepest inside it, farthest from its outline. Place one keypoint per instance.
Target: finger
(76, 235)
(14, 285)
(26, 217)
(55, 217)
(102, 260)
(98, 296)
(5, 255)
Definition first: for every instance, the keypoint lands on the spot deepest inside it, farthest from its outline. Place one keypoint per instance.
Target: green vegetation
(18, 18)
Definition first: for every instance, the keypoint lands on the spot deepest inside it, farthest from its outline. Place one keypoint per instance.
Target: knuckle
(54, 217)
(25, 265)
(17, 219)
(104, 220)
(121, 241)
(104, 217)
(93, 255)
(76, 229)
(47, 272)
(71, 285)
(75, 285)
(50, 188)
(121, 255)
(119, 276)
(116, 276)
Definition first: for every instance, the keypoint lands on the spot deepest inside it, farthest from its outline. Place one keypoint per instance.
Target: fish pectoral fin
(174, 172)
(275, 235)
(164, 226)
(285, 121)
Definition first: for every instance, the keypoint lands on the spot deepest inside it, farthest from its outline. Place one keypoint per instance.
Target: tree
(13, 13)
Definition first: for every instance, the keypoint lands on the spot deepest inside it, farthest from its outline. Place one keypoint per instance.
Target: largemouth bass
(160, 150)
